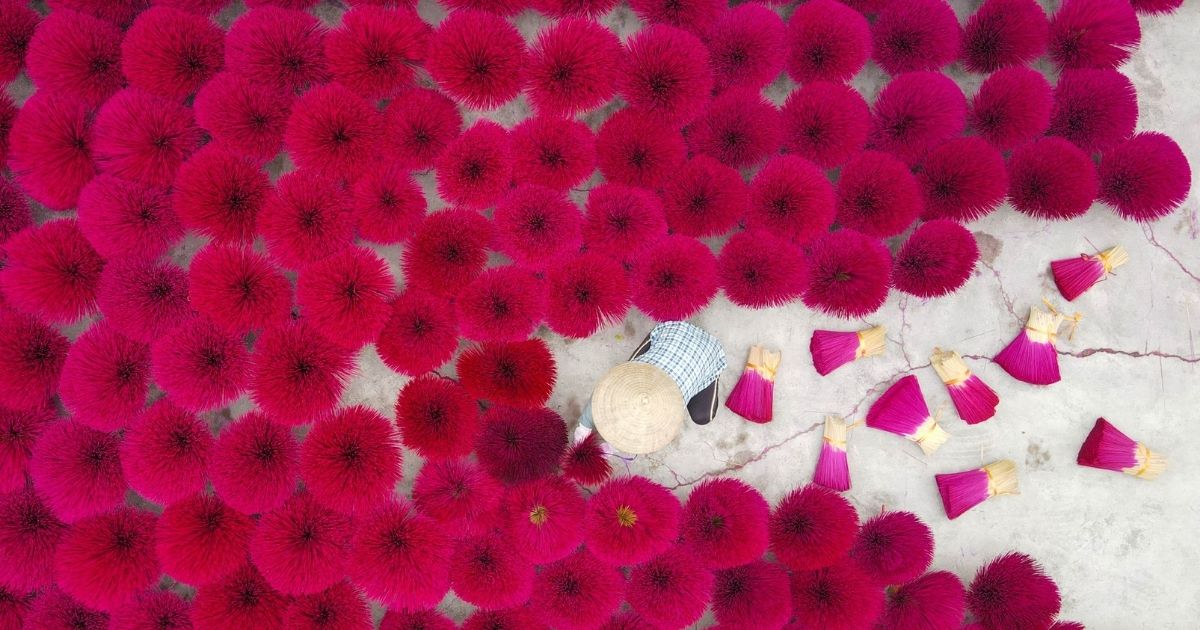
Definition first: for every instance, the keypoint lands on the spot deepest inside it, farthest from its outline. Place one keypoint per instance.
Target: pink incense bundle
(1031, 358)
(973, 399)
(902, 410)
(962, 491)
(833, 469)
(831, 349)
(1107, 448)
(754, 395)
(1076, 275)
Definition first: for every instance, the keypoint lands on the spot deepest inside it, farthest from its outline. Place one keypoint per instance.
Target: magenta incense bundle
(962, 491)
(902, 410)
(1076, 275)
(973, 399)
(833, 468)
(1107, 448)
(832, 349)
(1031, 357)
(754, 395)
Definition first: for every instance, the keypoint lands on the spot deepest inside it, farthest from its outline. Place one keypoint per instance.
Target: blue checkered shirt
(688, 354)
(691, 356)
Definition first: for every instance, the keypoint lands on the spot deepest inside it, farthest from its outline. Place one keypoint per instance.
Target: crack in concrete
(1149, 232)
(731, 467)
(902, 341)
(1087, 352)
(1009, 304)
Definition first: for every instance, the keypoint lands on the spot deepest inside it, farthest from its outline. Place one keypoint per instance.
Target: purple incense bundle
(832, 349)
(962, 491)
(833, 467)
(902, 410)
(1030, 357)
(973, 399)
(1076, 275)
(1106, 447)
(754, 395)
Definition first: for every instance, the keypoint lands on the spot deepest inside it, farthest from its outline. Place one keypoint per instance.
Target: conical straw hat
(637, 408)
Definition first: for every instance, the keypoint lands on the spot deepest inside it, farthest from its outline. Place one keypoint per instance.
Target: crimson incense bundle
(630, 520)
(544, 518)
(576, 592)
(1106, 447)
(973, 399)
(165, 453)
(754, 395)
(586, 462)
(572, 66)
(1013, 591)
(833, 468)
(902, 410)
(300, 547)
(350, 461)
(413, 575)
(832, 349)
(1145, 177)
(754, 595)
(202, 539)
(489, 571)
(759, 270)
(1074, 276)
(725, 523)
(1031, 357)
(812, 527)
(103, 561)
(962, 491)
(893, 547)
(671, 589)
(915, 35)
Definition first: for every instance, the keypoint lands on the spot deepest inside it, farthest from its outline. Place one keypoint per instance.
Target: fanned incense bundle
(753, 396)
(902, 410)
(1076, 275)
(1107, 448)
(973, 399)
(1031, 357)
(833, 467)
(832, 349)
(962, 491)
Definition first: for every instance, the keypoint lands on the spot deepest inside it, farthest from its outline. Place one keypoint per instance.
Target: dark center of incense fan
(736, 56)
(325, 614)
(247, 596)
(569, 585)
(378, 60)
(211, 520)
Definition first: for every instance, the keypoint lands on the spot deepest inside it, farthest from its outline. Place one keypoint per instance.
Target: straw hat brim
(637, 408)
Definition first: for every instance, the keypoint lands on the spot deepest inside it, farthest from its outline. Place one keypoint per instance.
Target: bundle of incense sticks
(832, 349)
(754, 395)
(833, 467)
(902, 410)
(1031, 356)
(1106, 447)
(1076, 275)
(962, 491)
(973, 399)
